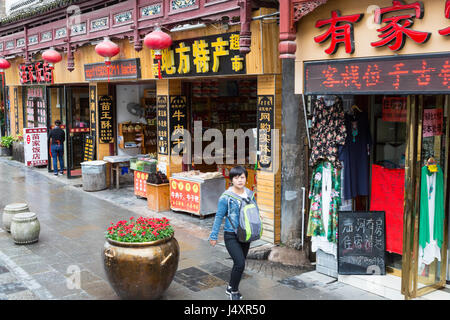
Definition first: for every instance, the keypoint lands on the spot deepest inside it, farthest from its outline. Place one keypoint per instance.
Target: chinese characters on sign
(105, 119)
(380, 75)
(340, 31)
(92, 108)
(36, 109)
(211, 55)
(140, 183)
(397, 27)
(163, 128)
(433, 122)
(16, 109)
(89, 143)
(35, 148)
(35, 73)
(185, 195)
(178, 123)
(394, 109)
(361, 247)
(265, 122)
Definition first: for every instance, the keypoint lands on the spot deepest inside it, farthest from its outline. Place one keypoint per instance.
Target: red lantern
(4, 64)
(51, 56)
(157, 41)
(107, 49)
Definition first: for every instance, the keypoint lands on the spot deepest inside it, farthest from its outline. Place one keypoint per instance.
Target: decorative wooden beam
(246, 18)
(291, 11)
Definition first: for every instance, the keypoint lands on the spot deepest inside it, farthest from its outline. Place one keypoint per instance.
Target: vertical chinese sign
(93, 108)
(265, 124)
(35, 148)
(178, 123)
(89, 144)
(16, 109)
(105, 119)
(163, 129)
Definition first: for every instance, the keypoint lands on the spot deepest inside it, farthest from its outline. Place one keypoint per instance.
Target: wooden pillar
(102, 149)
(165, 89)
(269, 178)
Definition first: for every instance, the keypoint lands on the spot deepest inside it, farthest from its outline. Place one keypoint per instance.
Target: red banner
(140, 184)
(394, 109)
(184, 195)
(388, 192)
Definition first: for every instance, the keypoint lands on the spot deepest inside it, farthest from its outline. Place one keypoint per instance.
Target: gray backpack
(250, 224)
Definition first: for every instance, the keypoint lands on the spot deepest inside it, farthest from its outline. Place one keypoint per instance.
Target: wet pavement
(69, 249)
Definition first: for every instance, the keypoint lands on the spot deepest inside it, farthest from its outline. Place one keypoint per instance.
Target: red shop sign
(394, 109)
(433, 122)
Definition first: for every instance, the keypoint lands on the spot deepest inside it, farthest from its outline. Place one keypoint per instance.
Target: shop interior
(374, 155)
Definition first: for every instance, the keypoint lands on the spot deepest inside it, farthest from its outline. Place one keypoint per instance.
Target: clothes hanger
(356, 107)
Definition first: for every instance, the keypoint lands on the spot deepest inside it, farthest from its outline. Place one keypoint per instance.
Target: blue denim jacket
(226, 202)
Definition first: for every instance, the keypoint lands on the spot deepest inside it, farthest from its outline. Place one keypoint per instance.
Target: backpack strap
(240, 204)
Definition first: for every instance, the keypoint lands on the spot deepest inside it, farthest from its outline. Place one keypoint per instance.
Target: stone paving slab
(67, 264)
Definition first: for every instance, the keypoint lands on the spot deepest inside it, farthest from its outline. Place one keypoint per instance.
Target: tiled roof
(25, 9)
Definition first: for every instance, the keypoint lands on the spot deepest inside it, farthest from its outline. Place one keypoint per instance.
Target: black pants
(238, 252)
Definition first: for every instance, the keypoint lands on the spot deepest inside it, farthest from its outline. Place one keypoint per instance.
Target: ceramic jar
(142, 270)
(25, 228)
(10, 210)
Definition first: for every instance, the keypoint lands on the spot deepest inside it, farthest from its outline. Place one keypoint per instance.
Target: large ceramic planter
(143, 270)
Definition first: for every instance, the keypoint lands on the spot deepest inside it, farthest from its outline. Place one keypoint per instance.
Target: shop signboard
(92, 108)
(89, 144)
(38, 72)
(163, 128)
(428, 74)
(205, 56)
(140, 183)
(16, 109)
(361, 244)
(185, 195)
(178, 122)
(265, 124)
(35, 146)
(433, 122)
(118, 70)
(105, 119)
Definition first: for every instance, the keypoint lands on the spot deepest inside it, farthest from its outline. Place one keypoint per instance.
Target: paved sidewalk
(73, 223)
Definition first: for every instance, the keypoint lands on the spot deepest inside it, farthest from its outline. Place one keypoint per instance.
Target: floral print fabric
(328, 132)
(315, 223)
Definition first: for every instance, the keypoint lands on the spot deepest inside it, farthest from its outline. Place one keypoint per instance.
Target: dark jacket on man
(57, 135)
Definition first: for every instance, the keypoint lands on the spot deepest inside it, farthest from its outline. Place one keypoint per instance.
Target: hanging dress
(431, 223)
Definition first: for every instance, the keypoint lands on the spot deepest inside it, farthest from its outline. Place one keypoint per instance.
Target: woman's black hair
(58, 122)
(237, 171)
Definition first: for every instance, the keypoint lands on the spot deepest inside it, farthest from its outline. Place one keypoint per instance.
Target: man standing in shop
(56, 140)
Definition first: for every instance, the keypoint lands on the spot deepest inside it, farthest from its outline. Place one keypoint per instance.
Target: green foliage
(6, 141)
(140, 230)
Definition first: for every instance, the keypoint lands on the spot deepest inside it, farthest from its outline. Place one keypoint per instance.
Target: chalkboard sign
(361, 243)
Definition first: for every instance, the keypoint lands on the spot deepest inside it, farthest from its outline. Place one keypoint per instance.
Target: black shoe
(228, 291)
(61, 173)
(235, 296)
(55, 174)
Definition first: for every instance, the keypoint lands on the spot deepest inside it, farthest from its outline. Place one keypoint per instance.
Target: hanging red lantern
(51, 56)
(157, 41)
(4, 64)
(107, 49)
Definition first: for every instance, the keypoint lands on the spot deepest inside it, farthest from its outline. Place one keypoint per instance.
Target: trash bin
(93, 175)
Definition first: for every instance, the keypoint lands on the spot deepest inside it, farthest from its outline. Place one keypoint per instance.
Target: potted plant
(5, 145)
(158, 192)
(140, 257)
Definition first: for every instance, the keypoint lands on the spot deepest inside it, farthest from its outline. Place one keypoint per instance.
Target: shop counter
(195, 195)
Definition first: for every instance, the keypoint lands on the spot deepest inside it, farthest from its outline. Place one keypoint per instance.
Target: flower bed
(140, 230)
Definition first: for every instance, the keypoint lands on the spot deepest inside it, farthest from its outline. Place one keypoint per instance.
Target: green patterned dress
(315, 223)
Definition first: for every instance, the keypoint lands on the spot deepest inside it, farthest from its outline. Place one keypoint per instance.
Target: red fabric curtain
(388, 192)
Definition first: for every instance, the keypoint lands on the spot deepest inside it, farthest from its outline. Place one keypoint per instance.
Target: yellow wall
(365, 32)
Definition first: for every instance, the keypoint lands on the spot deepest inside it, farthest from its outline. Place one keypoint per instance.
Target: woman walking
(229, 207)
